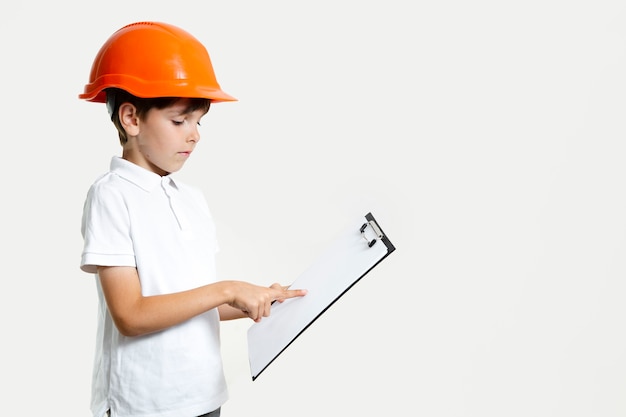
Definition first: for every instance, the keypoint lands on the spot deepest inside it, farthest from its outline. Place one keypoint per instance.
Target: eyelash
(177, 123)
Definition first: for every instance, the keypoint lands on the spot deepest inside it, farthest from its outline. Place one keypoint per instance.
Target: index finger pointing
(291, 294)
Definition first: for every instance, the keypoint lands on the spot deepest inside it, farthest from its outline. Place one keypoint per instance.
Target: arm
(135, 314)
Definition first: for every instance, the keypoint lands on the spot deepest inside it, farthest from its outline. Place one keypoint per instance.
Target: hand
(255, 302)
(282, 288)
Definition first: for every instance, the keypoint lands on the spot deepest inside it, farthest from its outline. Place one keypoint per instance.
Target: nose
(195, 135)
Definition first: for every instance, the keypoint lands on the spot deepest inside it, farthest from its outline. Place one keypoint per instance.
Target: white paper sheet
(345, 261)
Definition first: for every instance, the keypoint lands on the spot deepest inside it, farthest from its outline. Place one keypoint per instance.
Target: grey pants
(215, 413)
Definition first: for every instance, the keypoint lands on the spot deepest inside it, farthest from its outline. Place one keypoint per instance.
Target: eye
(178, 122)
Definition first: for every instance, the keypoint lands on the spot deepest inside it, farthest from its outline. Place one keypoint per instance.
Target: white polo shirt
(134, 217)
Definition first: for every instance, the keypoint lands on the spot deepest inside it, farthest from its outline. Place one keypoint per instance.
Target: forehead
(185, 106)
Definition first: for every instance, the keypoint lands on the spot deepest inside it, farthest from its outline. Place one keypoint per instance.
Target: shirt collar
(139, 176)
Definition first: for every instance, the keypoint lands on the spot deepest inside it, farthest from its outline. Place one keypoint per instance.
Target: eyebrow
(179, 112)
(188, 109)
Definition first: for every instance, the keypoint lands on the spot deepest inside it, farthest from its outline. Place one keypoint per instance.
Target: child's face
(166, 138)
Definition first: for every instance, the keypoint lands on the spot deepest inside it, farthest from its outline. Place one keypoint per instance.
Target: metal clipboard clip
(379, 234)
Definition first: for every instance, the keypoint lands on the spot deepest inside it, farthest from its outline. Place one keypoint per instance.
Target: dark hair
(116, 97)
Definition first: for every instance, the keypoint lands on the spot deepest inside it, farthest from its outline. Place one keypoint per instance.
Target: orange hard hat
(153, 59)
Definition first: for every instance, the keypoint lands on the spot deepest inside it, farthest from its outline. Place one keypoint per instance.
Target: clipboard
(348, 259)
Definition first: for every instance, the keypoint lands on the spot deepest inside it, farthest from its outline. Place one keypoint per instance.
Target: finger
(277, 286)
(290, 294)
(247, 313)
(294, 293)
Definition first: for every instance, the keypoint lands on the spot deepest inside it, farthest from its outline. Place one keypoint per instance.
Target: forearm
(154, 313)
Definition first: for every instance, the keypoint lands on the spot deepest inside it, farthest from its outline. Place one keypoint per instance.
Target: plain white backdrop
(487, 138)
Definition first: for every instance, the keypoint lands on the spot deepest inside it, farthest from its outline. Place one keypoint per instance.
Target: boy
(150, 239)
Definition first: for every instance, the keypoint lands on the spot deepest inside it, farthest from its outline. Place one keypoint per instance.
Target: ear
(129, 119)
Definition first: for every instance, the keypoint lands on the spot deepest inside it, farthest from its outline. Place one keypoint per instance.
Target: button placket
(171, 193)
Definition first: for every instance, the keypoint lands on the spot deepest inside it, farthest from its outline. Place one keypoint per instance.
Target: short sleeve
(105, 229)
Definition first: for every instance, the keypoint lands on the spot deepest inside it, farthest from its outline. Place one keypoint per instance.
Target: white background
(487, 138)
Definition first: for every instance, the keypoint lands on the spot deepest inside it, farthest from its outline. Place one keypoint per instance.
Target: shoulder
(106, 184)
(105, 193)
